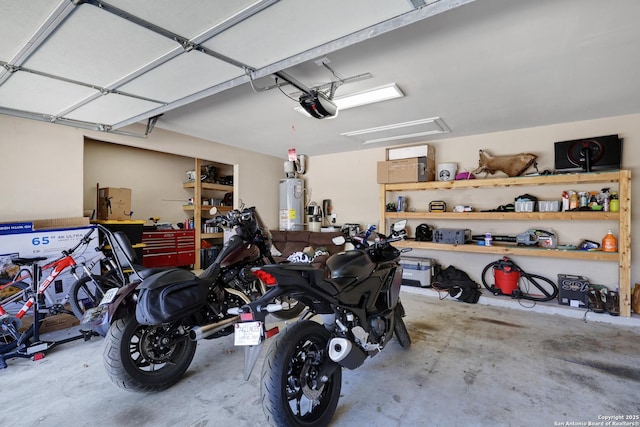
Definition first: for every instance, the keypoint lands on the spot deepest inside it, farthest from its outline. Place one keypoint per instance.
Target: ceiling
(206, 68)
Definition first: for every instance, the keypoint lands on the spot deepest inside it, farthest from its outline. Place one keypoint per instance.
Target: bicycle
(28, 344)
(523, 285)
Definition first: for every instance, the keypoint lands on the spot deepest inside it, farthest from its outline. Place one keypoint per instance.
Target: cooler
(416, 271)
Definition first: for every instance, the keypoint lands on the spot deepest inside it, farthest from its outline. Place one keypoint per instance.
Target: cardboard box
(114, 203)
(48, 244)
(416, 271)
(408, 152)
(418, 169)
(573, 290)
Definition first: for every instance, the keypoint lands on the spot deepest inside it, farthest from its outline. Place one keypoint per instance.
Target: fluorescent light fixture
(365, 97)
(397, 131)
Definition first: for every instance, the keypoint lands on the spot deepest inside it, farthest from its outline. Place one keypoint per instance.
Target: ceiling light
(370, 96)
(416, 129)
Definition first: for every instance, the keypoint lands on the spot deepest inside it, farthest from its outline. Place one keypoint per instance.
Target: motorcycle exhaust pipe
(199, 332)
(342, 351)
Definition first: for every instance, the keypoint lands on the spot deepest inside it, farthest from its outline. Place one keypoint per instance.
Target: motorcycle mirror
(213, 210)
(339, 240)
(399, 225)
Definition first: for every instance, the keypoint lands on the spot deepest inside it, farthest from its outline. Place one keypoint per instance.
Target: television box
(48, 244)
(408, 152)
(114, 203)
(573, 290)
(416, 271)
(417, 169)
(605, 153)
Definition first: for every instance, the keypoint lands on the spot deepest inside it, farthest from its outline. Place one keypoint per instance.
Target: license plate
(109, 296)
(248, 333)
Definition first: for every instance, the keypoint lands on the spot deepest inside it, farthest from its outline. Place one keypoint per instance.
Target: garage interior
(136, 95)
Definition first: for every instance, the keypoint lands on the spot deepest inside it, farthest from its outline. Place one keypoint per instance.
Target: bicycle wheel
(86, 293)
(12, 297)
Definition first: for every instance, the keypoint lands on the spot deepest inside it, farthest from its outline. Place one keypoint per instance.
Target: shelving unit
(623, 217)
(199, 212)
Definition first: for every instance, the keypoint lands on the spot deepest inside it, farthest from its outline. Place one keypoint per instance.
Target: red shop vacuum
(506, 275)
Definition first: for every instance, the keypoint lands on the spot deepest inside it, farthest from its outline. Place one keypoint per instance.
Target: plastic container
(525, 206)
(548, 205)
(614, 203)
(609, 243)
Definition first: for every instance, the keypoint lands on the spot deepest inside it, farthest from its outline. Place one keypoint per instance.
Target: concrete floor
(469, 365)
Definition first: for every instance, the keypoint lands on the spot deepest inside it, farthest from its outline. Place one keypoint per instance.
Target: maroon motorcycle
(154, 323)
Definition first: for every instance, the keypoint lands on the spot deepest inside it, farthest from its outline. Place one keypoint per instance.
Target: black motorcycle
(357, 300)
(154, 324)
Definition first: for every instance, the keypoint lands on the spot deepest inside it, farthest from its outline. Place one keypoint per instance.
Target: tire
(289, 313)
(12, 294)
(290, 364)
(400, 329)
(86, 293)
(136, 362)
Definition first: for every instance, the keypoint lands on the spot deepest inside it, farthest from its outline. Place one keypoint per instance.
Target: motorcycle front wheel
(399, 327)
(146, 358)
(290, 390)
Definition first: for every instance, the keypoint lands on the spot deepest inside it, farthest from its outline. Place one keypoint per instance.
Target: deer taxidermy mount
(512, 165)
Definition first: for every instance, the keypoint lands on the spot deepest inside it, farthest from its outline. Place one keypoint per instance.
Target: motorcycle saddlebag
(169, 296)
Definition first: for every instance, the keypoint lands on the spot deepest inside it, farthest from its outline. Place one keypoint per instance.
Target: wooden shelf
(543, 216)
(211, 235)
(206, 208)
(623, 218)
(209, 186)
(201, 212)
(570, 178)
(512, 250)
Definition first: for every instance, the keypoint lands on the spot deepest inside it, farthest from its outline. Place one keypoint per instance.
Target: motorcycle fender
(251, 354)
(120, 306)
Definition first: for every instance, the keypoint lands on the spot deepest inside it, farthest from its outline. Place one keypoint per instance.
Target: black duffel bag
(168, 296)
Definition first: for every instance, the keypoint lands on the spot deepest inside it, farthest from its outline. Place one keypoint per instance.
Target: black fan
(585, 153)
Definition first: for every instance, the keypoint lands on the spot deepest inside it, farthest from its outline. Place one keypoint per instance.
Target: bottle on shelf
(609, 243)
(614, 203)
(573, 200)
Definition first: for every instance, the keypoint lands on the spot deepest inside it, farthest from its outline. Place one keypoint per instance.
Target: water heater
(292, 204)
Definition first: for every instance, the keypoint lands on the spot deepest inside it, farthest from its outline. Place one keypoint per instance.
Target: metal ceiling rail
(400, 21)
(52, 22)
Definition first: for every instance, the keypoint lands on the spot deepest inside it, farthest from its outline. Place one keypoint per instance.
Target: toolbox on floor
(573, 290)
(416, 271)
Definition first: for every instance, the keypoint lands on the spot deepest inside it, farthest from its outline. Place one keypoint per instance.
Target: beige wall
(42, 174)
(355, 194)
(42, 177)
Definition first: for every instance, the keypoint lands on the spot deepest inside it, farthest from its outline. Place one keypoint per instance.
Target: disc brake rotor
(307, 378)
(155, 347)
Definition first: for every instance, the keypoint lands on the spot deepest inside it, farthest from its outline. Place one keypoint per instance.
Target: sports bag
(168, 296)
(458, 283)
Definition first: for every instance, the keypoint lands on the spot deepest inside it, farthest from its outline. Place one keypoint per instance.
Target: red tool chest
(168, 248)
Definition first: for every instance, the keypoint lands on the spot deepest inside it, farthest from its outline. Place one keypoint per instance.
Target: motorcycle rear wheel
(137, 359)
(288, 373)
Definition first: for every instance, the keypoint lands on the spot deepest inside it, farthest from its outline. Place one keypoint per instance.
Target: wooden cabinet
(168, 248)
(623, 257)
(199, 212)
